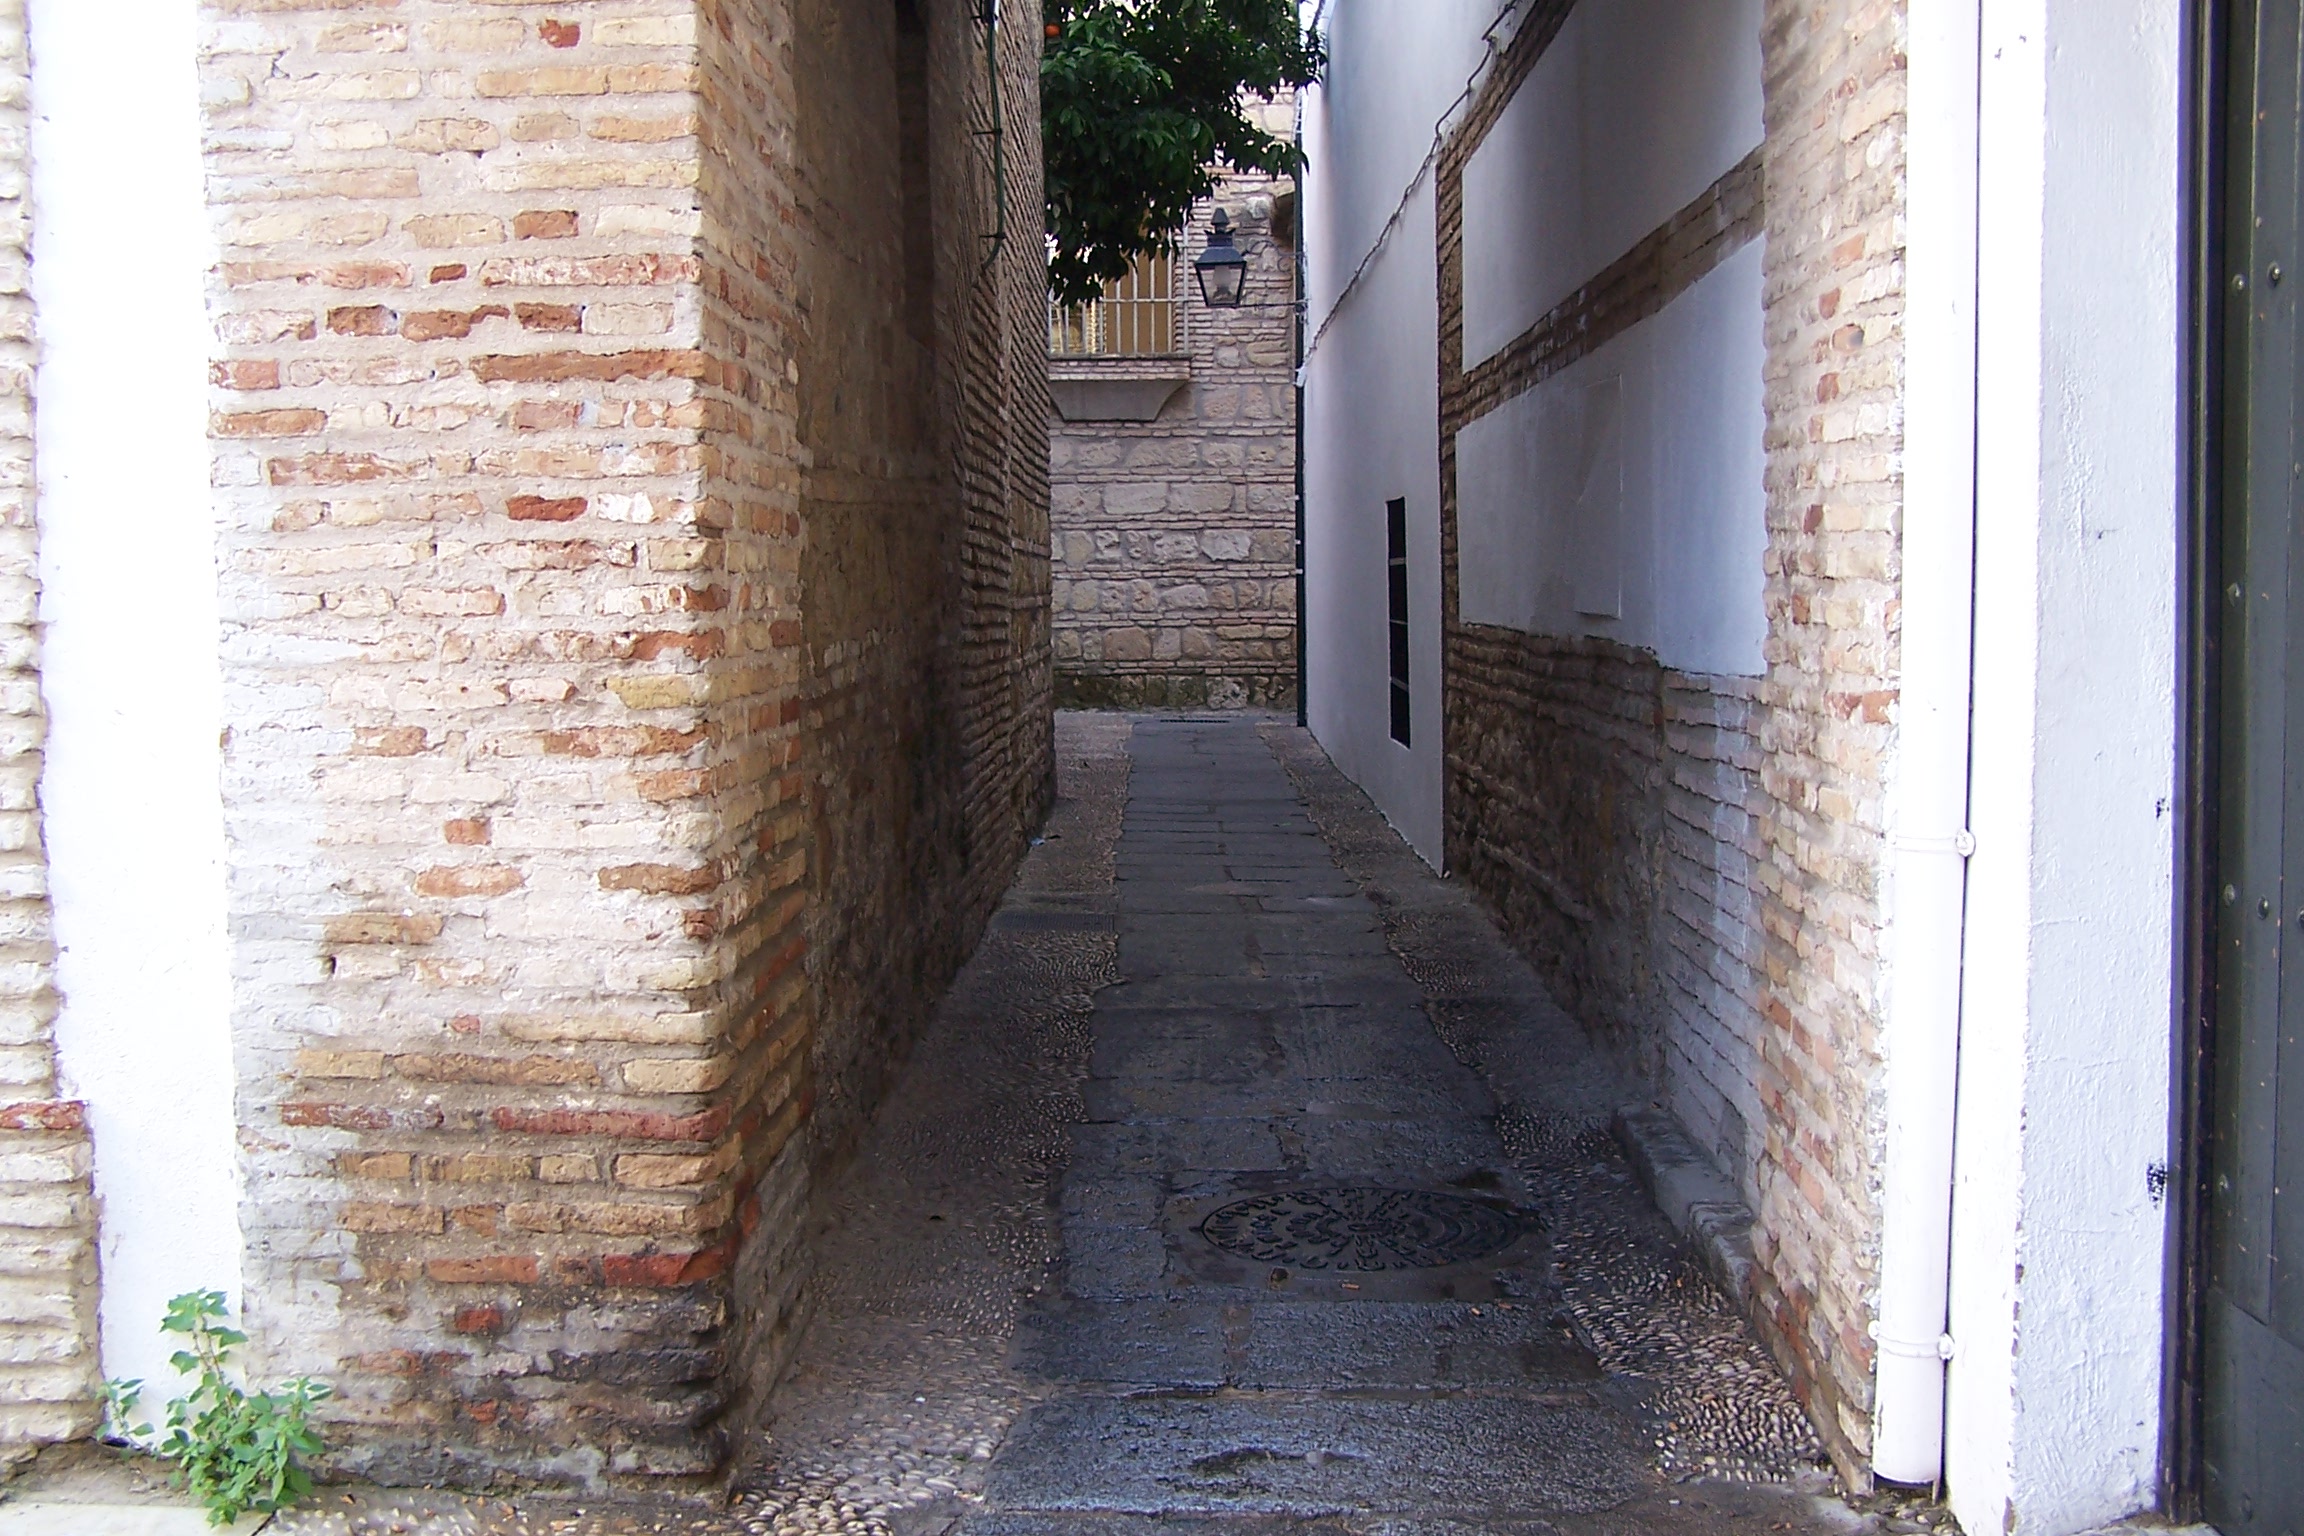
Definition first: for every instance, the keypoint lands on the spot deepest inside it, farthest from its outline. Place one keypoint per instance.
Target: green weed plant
(234, 1450)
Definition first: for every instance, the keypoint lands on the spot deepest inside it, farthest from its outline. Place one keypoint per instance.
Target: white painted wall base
(130, 797)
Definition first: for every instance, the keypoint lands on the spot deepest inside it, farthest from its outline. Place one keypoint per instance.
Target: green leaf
(235, 1451)
(1140, 101)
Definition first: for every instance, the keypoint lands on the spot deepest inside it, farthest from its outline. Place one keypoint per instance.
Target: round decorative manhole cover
(1360, 1229)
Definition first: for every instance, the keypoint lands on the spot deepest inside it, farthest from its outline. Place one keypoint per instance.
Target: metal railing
(1135, 318)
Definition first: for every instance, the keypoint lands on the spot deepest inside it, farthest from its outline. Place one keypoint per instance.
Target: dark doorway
(2251, 1338)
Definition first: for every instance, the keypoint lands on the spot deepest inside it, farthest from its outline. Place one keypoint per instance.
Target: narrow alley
(1337, 1230)
(654, 876)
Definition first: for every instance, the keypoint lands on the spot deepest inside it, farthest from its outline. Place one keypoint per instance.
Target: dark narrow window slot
(1396, 595)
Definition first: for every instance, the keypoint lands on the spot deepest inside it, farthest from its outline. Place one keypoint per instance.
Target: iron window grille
(1136, 317)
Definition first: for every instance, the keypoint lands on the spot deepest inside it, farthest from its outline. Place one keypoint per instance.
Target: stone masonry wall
(1693, 860)
(551, 671)
(1176, 538)
(47, 1218)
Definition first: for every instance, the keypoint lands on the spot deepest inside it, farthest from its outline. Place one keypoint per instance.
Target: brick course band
(1670, 260)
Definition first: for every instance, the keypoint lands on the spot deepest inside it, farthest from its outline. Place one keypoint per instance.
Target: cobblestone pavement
(1246, 1184)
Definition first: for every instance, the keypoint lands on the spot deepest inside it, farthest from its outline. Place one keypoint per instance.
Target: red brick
(544, 224)
(450, 324)
(342, 469)
(389, 740)
(365, 274)
(494, 1269)
(44, 1115)
(301, 422)
(621, 741)
(469, 880)
(544, 509)
(602, 367)
(361, 320)
(622, 1124)
(383, 928)
(660, 879)
(659, 1270)
(245, 374)
(550, 317)
(375, 1216)
(548, 1070)
(360, 1117)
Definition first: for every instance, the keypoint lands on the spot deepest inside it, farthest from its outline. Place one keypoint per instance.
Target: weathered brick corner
(635, 574)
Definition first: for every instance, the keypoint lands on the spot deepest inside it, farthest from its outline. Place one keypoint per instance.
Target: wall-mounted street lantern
(1221, 269)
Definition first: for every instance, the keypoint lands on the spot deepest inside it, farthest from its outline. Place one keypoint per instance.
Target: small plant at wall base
(234, 1450)
(1139, 101)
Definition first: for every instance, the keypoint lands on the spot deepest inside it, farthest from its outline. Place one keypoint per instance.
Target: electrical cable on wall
(1497, 39)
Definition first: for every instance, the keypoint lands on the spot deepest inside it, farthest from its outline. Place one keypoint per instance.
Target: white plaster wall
(2057, 1304)
(129, 651)
(1623, 496)
(1396, 67)
(1635, 108)
(1372, 392)
(1372, 432)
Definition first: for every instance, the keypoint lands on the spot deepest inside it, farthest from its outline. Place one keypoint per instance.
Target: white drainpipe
(1928, 808)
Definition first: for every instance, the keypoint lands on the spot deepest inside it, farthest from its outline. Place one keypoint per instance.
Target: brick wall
(1175, 539)
(47, 1220)
(1693, 860)
(559, 398)
(1835, 170)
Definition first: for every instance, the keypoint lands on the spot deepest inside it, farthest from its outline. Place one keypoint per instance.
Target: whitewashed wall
(1646, 528)
(1372, 391)
(1395, 68)
(2058, 1242)
(1635, 109)
(132, 809)
(1373, 410)
(1622, 497)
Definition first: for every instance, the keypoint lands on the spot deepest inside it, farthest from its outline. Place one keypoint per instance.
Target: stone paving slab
(1172, 1096)
(1161, 1342)
(1269, 1453)
(1324, 1345)
(1155, 1146)
(1415, 1346)
(1705, 1511)
(1368, 987)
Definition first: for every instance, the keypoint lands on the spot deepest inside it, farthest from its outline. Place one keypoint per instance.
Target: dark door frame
(2205, 173)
